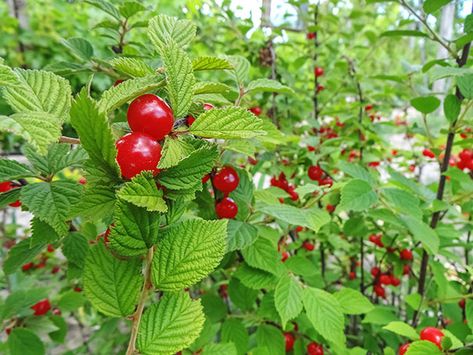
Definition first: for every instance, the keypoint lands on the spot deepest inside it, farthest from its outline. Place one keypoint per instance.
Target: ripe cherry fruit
(226, 180)
(137, 152)
(379, 291)
(403, 348)
(318, 71)
(226, 208)
(428, 153)
(311, 35)
(314, 348)
(7, 186)
(256, 110)
(284, 256)
(151, 115)
(41, 308)
(289, 338)
(308, 245)
(315, 172)
(406, 254)
(433, 335)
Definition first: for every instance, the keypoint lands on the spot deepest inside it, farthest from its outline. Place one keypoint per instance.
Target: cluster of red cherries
(431, 334)
(7, 186)
(282, 183)
(316, 173)
(313, 348)
(465, 160)
(225, 181)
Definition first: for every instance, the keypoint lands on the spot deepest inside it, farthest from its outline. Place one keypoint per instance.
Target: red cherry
(222, 290)
(205, 178)
(462, 303)
(8, 331)
(374, 164)
(27, 266)
(352, 275)
(406, 254)
(226, 180)
(428, 153)
(226, 208)
(41, 308)
(433, 335)
(308, 245)
(299, 229)
(15, 204)
(151, 115)
(379, 291)
(466, 155)
(403, 348)
(284, 256)
(412, 168)
(385, 279)
(376, 239)
(190, 120)
(326, 182)
(118, 82)
(311, 35)
(314, 348)
(40, 265)
(368, 107)
(50, 248)
(318, 71)
(310, 148)
(208, 107)
(55, 269)
(375, 271)
(315, 172)
(5, 186)
(137, 152)
(82, 181)
(252, 161)
(395, 281)
(330, 208)
(320, 88)
(289, 341)
(77, 289)
(256, 110)
(394, 152)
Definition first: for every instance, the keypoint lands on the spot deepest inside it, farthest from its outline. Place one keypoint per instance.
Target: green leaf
(451, 108)
(468, 24)
(469, 313)
(97, 201)
(440, 72)
(135, 230)
(51, 202)
(231, 122)
(7, 76)
(179, 78)
(404, 33)
(40, 129)
(129, 89)
(13, 170)
(357, 195)
(403, 201)
(323, 311)
(402, 329)
(71, 301)
(19, 301)
(130, 8)
(171, 325)
(268, 85)
(190, 170)
(234, 331)
(380, 316)
(188, 252)
(75, 248)
(208, 87)
(219, 349)
(271, 338)
(21, 254)
(241, 296)
(42, 233)
(356, 171)
(143, 192)
(422, 233)
(9, 197)
(313, 218)
(262, 255)
(431, 6)
(112, 285)
(241, 70)
(352, 301)
(425, 104)
(423, 347)
(105, 7)
(255, 278)
(23, 341)
(210, 63)
(133, 67)
(465, 84)
(174, 150)
(240, 235)
(95, 133)
(80, 48)
(164, 29)
(38, 91)
(288, 298)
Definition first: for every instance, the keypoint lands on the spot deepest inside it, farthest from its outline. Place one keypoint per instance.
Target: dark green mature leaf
(19, 301)
(13, 170)
(451, 108)
(240, 235)
(112, 285)
(97, 201)
(469, 312)
(234, 331)
(171, 325)
(75, 248)
(23, 341)
(21, 254)
(187, 253)
(42, 233)
(431, 6)
(403, 201)
(51, 202)
(465, 84)
(468, 24)
(271, 338)
(288, 298)
(131, 8)
(357, 195)
(323, 311)
(313, 218)
(143, 192)
(255, 278)
(9, 197)
(425, 104)
(95, 133)
(241, 296)
(135, 229)
(356, 171)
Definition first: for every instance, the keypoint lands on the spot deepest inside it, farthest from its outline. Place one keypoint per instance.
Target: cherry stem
(69, 140)
(147, 285)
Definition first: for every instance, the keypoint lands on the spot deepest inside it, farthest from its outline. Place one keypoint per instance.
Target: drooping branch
(69, 140)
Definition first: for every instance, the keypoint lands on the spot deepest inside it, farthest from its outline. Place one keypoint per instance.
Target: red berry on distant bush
(137, 152)
(118, 82)
(406, 269)
(385, 279)
(284, 256)
(320, 88)
(256, 110)
(375, 271)
(226, 208)
(462, 303)
(428, 153)
(315, 172)
(50, 248)
(368, 107)
(433, 335)
(395, 281)
(27, 266)
(289, 338)
(318, 71)
(376, 239)
(326, 182)
(406, 254)
(41, 308)
(308, 245)
(379, 291)
(226, 180)
(151, 115)
(403, 348)
(314, 348)
(82, 181)
(311, 35)
(330, 208)
(352, 275)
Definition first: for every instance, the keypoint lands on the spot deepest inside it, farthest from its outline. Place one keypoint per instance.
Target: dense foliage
(194, 183)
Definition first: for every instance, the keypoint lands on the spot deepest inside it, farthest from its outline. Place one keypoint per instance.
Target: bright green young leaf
(380, 315)
(402, 201)
(234, 331)
(404, 33)
(425, 104)
(313, 218)
(431, 6)
(188, 252)
(465, 84)
(23, 341)
(357, 195)
(270, 338)
(131, 8)
(228, 123)
(240, 235)
(423, 347)
(210, 63)
(170, 325)
(255, 278)
(241, 68)
(97, 201)
(135, 229)
(219, 349)
(268, 85)
(112, 285)
(262, 255)
(133, 67)
(352, 301)
(288, 298)
(174, 150)
(402, 329)
(422, 233)
(106, 7)
(164, 29)
(451, 108)
(323, 311)
(80, 48)
(356, 171)
(143, 192)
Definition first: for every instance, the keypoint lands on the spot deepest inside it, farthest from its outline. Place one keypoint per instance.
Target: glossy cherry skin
(315, 349)
(226, 180)
(137, 152)
(289, 338)
(311, 35)
(308, 245)
(41, 308)
(315, 172)
(285, 256)
(403, 348)
(226, 208)
(190, 120)
(428, 153)
(256, 110)
(375, 271)
(406, 254)
(151, 115)
(318, 71)
(379, 291)
(27, 266)
(433, 335)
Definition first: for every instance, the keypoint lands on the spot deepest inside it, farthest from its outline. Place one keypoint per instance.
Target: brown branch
(69, 140)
